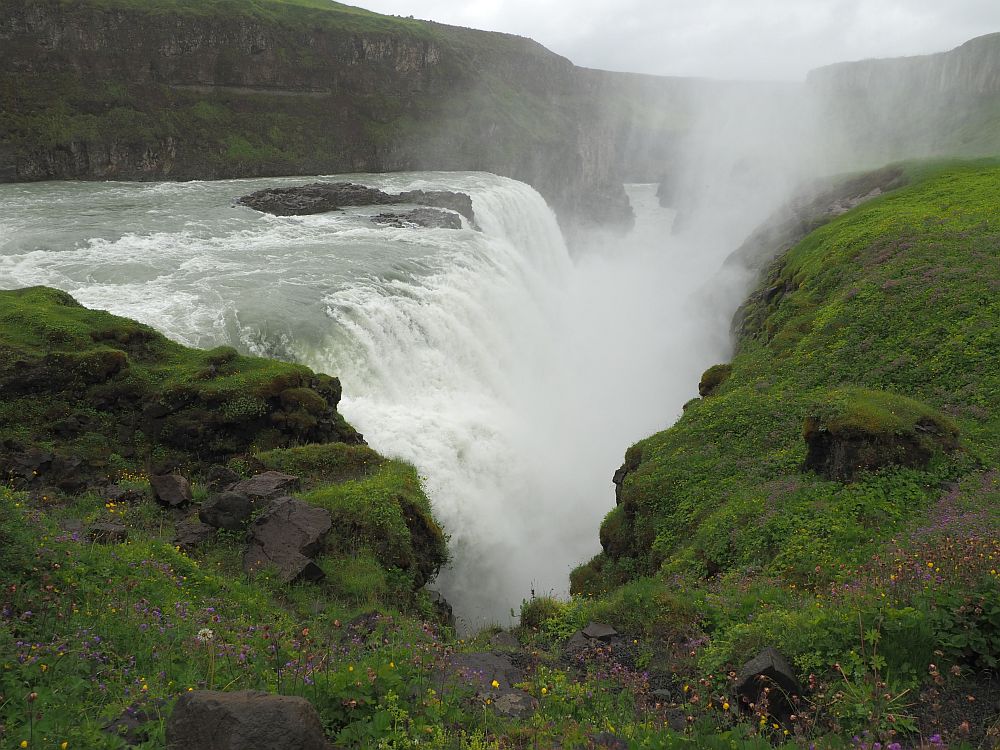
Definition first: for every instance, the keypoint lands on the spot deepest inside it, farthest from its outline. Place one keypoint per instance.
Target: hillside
(834, 491)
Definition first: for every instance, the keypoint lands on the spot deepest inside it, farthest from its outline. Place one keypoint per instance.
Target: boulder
(599, 632)
(171, 490)
(219, 478)
(119, 494)
(191, 534)
(266, 486)
(285, 537)
(107, 533)
(481, 670)
(770, 671)
(227, 510)
(248, 720)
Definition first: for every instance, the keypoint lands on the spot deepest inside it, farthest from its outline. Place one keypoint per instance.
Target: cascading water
(511, 374)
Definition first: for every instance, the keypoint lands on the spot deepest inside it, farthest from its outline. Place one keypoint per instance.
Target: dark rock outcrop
(633, 457)
(493, 676)
(227, 510)
(214, 720)
(430, 218)
(286, 537)
(322, 197)
(712, 378)
(854, 430)
(171, 490)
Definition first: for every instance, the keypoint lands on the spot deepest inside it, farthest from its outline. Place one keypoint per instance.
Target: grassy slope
(886, 314)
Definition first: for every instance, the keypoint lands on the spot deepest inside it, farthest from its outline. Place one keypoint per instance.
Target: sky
(732, 39)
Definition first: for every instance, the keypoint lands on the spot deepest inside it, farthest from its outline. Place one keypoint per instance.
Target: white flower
(205, 635)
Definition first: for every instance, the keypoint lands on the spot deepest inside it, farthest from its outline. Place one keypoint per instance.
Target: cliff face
(170, 89)
(942, 104)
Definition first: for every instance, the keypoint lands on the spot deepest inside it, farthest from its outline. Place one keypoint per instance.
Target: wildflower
(725, 706)
(24, 743)
(495, 684)
(205, 635)
(545, 691)
(392, 665)
(63, 745)
(44, 667)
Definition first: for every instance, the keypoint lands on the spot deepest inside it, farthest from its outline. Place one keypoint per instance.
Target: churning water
(512, 374)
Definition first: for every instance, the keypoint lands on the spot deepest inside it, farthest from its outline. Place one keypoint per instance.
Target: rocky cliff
(174, 89)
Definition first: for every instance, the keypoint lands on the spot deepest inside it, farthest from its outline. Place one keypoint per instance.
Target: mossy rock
(713, 378)
(134, 393)
(856, 430)
(388, 514)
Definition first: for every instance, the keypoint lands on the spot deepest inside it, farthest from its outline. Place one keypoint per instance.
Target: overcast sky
(759, 39)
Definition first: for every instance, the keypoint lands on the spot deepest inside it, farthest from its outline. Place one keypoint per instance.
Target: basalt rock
(190, 535)
(171, 490)
(227, 510)
(430, 218)
(322, 197)
(214, 720)
(286, 537)
(266, 486)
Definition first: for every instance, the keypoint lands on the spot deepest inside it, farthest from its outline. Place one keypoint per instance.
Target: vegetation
(882, 588)
(882, 331)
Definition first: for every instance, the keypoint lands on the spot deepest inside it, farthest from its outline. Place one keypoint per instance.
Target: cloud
(765, 39)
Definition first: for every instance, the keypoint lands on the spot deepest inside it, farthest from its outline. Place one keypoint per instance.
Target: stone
(514, 704)
(130, 725)
(481, 669)
(107, 533)
(577, 645)
(227, 510)
(219, 478)
(285, 537)
(504, 641)
(266, 486)
(191, 534)
(247, 720)
(599, 632)
(769, 669)
(171, 490)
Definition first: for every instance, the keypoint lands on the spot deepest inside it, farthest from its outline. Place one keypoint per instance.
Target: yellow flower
(350, 667)
(24, 743)
(392, 665)
(495, 684)
(725, 706)
(44, 667)
(63, 746)
(545, 691)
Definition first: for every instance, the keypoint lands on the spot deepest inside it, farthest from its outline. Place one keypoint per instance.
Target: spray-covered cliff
(942, 104)
(177, 89)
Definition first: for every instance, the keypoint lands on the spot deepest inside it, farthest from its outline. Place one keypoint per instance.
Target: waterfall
(511, 374)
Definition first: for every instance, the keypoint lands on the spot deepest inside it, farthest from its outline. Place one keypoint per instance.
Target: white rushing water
(513, 375)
